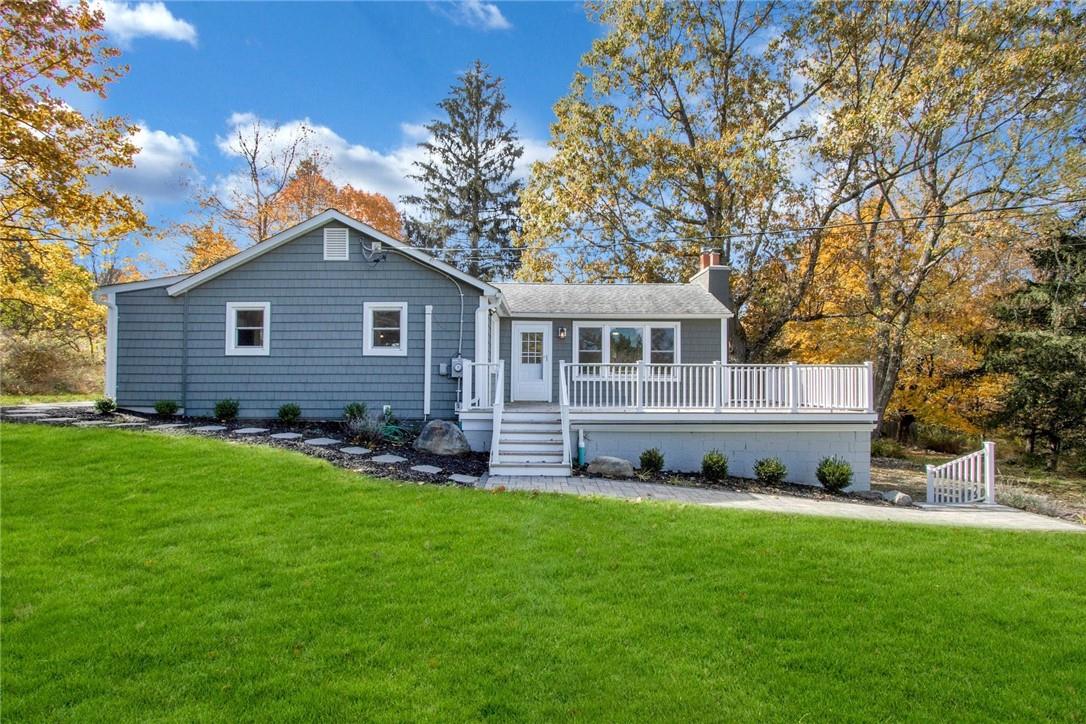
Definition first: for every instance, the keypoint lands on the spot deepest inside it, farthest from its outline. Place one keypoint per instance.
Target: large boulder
(442, 437)
(610, 467)
(897, 498)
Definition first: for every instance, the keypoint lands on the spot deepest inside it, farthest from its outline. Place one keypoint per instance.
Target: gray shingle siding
(699, 341)
(315, 355)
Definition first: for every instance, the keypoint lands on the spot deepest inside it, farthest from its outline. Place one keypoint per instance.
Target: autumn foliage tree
(53, 216)
(310, 192)
(207, 245)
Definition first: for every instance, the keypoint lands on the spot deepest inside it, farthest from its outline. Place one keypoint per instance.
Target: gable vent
(336, 247)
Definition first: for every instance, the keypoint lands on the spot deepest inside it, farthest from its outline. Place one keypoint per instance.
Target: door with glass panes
(531, 353)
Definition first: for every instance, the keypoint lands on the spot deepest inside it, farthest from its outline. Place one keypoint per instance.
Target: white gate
(966, 480)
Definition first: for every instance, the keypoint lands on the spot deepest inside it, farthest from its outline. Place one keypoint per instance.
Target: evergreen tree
(468, 205)
(1043, 347)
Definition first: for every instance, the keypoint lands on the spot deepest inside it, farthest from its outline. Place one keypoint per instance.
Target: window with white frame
(384, 328)
(248, 328)
(655, 343)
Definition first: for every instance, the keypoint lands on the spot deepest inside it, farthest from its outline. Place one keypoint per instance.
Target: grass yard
(154, 577)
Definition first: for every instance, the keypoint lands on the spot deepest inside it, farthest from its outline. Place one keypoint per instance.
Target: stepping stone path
(169, 426)
(127, 424)
(322, 441)
(57, 419)
(88, 423)
(463, 479)
(209, 428)
(286, 435)
(355, 450)
(428, 469)
(389, 459)
(250, 430)
(26, 414)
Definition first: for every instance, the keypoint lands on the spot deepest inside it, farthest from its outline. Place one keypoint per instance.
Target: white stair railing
(966, 480)
(563, 400)
(498, 407)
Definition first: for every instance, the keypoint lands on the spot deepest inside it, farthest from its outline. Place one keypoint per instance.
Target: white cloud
(164, 168)
(126, 21)
(361, 166)
(474, 14)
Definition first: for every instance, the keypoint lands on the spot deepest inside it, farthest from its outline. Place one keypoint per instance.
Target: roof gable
(311, 224)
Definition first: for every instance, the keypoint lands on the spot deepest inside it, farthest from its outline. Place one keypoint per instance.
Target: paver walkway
(995, 516)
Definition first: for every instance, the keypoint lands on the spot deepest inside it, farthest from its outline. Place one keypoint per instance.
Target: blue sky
(365, 76)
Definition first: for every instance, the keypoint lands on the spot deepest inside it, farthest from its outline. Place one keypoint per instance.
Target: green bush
(834, 473)
(886, 447)
(714, 466)
(167, 407)
(226, 409)
(942, 439)
(289, 412)
(652, 461)
(105, 406)
(354, 411)
(770, 471)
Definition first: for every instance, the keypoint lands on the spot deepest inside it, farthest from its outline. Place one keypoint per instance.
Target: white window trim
(646, 337)
(232, 308)
(347, 246)
(368, 308)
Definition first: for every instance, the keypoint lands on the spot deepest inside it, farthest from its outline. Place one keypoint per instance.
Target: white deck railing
(478, 389)
(965, 480)
(719, 387)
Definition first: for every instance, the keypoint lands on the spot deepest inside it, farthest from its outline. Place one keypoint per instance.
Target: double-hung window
(248, 328)
(625, 343)
(384, 329)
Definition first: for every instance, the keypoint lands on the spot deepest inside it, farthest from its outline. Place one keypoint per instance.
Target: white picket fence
(964, 481)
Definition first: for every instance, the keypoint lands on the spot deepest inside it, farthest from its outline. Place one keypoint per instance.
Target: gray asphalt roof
(602, 299)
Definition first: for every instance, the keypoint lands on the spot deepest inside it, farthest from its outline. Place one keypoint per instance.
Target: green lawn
(156, 577)
(6, 400)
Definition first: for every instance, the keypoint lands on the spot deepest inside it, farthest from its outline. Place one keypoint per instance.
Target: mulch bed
(474, 464)
(747, 485)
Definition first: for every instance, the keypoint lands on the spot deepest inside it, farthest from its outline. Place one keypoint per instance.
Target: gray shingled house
(332, 311)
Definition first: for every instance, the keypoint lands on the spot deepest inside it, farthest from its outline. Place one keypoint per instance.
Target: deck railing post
(466, 378)
(718, 379)
(989, 473)
(793, 386)
(931, 483)
(869, 381)
(639, 392)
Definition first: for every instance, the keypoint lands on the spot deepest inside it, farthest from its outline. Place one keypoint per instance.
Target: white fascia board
(650, 317)
(136, 286)
(309, 225)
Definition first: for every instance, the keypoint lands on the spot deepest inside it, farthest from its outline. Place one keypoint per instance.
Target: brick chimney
(714, 277)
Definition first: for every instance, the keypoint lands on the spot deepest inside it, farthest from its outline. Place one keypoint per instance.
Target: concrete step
(547, 469)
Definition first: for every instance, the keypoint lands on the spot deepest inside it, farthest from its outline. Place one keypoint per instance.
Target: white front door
(531, 352)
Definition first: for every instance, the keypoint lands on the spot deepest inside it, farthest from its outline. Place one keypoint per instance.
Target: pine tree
(1043, 348)
(469, 201)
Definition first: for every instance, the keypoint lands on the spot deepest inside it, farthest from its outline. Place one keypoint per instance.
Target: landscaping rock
(286, 435)
(441, 437)
(611, 467)
(355, 450)
(388, 459)
(897, 498)
(869, 495)
(250, 430)
(209, 428)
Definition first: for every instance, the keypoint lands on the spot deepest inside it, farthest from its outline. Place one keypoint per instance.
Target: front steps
(530, 443)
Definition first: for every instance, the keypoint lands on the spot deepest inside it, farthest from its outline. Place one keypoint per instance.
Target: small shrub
(886, 447)
(105, 406)
(354, 411)
(714, 466)
(770, 471)
(167, 407)
(226, 409)
(652, 461)
(289, 412)
(834, 474)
